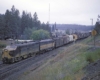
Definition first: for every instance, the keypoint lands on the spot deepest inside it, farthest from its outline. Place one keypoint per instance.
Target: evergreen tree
(7, 26)
(97, 25)
(27, 33)
(2, 26)
(48, 27)
(36, 22)
(15, 22)
(26, 21)
(23, 22)
(12, 25)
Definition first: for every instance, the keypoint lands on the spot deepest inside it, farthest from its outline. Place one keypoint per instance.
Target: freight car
(17, 52)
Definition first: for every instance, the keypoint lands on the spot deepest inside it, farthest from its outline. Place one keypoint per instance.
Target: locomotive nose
(5, 56)
(5, 59)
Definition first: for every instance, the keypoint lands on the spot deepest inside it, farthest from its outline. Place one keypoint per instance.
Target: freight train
(16, 52)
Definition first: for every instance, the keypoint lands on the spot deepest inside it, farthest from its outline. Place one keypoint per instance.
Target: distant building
(58, 33)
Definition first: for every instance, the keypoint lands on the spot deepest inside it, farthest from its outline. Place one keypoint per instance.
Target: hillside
(73, 27)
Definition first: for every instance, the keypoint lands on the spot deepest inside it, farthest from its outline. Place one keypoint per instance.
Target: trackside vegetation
(40, 35)
(92, 56)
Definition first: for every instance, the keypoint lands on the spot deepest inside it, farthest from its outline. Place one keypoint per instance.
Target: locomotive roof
(28, 43)
(46, 40)
(14, 46)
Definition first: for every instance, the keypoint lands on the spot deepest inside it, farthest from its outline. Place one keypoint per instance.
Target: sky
(59, 11)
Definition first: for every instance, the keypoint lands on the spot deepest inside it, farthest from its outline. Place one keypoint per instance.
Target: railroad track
(1, 62)
(3, 65)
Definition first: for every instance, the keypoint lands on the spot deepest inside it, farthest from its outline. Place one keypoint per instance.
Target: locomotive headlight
(5, 50)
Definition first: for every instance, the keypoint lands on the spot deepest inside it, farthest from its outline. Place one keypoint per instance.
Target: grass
(90, 40)
(92, 54)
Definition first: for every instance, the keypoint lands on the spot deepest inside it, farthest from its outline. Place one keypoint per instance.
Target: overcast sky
(61, 11)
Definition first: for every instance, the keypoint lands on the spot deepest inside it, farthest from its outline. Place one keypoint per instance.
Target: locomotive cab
(8, 53)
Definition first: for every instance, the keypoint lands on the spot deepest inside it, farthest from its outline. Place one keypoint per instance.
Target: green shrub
(40, 34)
(89, 57)
(92, 56)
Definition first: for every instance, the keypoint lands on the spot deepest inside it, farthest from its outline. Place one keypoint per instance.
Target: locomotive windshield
(11, 47)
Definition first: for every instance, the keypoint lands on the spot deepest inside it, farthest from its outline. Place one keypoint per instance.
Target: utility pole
(93, 31)
(49, 22)
(49, 13)
(91, 23)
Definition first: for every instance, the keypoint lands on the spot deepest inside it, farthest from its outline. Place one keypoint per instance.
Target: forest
(16, 26)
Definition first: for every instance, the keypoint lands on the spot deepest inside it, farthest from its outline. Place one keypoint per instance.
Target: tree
(36, 22)
(23, 22)
(15, 22)
(1, 26)
(12, 25)
(97, 26)
(40, 34)
(26, 21)
(48, 27)
(35, 18)
(28, 32)
(68, 31)
(7, 26)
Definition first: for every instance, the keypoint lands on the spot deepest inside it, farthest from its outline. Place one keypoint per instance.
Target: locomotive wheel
(34, 54)
(29, 55)
(13, 60)
(4, 62)
(19, 58)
